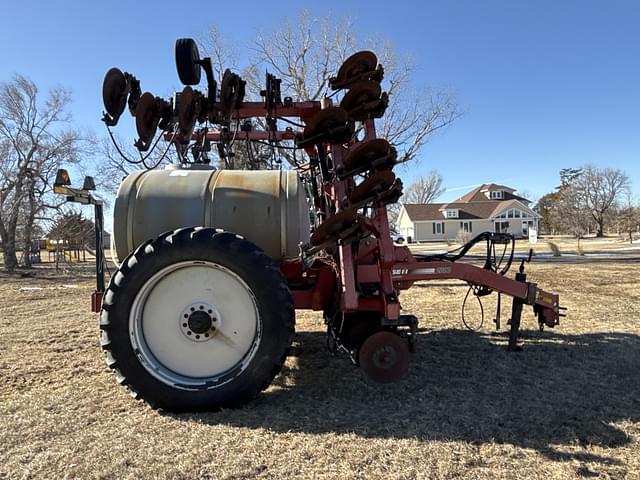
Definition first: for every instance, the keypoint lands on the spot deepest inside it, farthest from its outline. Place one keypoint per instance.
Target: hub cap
(199, 321)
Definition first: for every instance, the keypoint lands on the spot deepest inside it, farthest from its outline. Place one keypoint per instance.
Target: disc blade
(147, 117)
(360, 93)
(187, 113)
(384, 357)
(366, 153)
(332, 227)
(325, 119)
(356, 64)
(114, 93)
(373, 185)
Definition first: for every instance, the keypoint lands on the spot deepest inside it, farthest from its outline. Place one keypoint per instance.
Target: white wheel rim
(167, 347)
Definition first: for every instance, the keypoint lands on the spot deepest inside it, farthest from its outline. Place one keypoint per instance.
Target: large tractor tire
(197, 319)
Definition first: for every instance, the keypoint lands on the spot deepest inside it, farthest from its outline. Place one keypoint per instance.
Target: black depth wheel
(186, 57)
(197, 319)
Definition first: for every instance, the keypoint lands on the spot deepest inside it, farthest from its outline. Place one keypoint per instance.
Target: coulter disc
(384, 357)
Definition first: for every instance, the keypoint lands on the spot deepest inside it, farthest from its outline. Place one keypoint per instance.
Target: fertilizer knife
(213, 261)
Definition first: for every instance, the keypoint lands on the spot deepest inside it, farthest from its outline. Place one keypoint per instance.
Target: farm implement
(214, 262)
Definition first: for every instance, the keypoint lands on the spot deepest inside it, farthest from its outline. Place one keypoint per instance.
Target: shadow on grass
(463, 386)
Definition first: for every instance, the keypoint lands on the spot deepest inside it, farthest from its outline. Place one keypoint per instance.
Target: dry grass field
(566, 246)
(567, 406)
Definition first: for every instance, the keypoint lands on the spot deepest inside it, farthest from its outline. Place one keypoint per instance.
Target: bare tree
(570, 207)
(307, 52)
(72, 228)
(223, 52)
(425, 189)
(628, 218)
(550, 215)
(117, 160)
(575, 217)
(600, 190)
(304, 53)
(36, 138)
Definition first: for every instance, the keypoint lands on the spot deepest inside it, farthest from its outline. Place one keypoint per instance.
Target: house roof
(423, 211)
(473, 205)
(477, 195)
(467, 197)
(495, 186)
(433, 211)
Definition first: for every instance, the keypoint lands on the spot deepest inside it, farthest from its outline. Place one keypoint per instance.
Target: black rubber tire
(186, 57)
(260, 273)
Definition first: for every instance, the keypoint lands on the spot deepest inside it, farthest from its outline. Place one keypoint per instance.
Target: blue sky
(543, 84)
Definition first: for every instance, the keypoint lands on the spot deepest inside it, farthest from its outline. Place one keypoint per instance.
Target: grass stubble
(568, 406)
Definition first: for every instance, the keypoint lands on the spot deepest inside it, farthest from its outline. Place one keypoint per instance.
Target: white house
(489, 207)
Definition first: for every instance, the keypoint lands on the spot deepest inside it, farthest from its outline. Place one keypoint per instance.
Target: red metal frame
(320, 285)
(302, 110)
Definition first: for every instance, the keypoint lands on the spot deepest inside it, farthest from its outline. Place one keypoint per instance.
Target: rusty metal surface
(360, 64)
(114, 92)
(361, 93)
(373, 185)
(326, 119)
(363, 99)
(384, 357)
(366, 153)
(147, 118)
(231, 91)
(188, 111)
(216, 136)
(333, 226)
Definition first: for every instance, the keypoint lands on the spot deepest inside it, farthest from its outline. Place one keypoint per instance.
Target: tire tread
(215, 239)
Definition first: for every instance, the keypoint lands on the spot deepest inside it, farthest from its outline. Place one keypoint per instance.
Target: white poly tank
(267, 207)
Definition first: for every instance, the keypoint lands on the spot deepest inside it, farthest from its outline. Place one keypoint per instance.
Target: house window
(501, 227)
(496, 195)
(514, 213)
(452, 213)
(438, 228)
(526, 225)
(465, 227)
